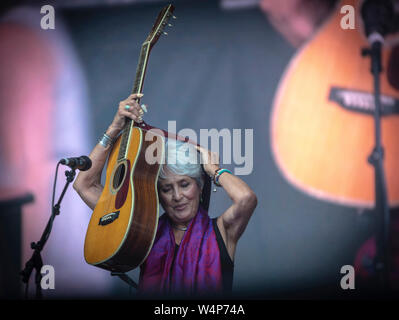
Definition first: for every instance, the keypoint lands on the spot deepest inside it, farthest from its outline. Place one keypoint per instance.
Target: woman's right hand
(134, 112)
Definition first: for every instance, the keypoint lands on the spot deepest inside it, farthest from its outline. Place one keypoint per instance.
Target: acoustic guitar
(322, 127)
(123, 225)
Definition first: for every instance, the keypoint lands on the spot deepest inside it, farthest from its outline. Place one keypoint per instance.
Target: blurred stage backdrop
(219, 67)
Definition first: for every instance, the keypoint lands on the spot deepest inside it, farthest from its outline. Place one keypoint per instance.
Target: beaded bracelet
(218, 172)
(106, 140)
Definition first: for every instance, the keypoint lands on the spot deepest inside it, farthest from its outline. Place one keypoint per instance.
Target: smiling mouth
(180, 207)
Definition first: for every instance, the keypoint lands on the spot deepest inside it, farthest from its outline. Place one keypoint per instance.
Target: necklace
(178, 228)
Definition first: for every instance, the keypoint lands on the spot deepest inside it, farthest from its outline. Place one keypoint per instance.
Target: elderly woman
(191, 254)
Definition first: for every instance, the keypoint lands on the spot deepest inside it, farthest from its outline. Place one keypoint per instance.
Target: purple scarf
(197, 267)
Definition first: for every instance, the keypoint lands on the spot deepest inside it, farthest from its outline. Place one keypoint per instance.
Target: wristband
(106, 140)
(218, 173)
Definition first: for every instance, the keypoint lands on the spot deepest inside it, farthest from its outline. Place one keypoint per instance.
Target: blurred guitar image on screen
(322, 128)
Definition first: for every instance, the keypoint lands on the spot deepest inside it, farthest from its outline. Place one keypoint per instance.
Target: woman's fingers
(210, 160)
(132, 100)
(203, 153)
(130, 115)
(208, 157)
(131, 109)
(128, 108)
(135, 106)
(135, 96)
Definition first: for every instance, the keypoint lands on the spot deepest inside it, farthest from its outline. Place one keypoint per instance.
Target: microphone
(378, 17)
(82, 163)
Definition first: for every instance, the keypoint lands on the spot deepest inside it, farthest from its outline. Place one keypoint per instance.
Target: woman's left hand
(210, 160)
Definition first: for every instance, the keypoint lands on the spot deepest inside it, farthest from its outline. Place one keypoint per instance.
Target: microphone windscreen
(86, 163)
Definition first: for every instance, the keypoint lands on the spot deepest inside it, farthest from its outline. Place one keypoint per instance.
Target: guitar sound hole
(119, 175)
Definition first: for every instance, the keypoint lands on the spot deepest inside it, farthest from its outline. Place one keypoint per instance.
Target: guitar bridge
(108, 218)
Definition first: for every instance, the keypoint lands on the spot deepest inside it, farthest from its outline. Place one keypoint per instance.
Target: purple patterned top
(196, 268)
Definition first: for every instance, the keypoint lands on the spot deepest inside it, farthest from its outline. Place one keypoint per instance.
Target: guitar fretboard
(138, 84)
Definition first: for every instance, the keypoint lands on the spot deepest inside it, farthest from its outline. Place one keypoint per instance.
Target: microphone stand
(36, 262)
(381, 260)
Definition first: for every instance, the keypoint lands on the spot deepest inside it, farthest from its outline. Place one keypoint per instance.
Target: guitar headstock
(160, 23)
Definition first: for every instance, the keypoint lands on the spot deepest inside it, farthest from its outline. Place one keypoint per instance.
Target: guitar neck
(137, 88)
(141, 67)
(152, 38)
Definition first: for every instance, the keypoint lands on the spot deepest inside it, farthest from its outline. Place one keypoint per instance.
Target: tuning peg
(165, 33)
(174, 17)
(170, 25)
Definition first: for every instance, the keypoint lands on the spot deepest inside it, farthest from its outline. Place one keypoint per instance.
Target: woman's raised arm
(234, 220)
(88, 183)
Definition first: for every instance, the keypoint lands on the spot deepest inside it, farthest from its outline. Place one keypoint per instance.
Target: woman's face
(179, 196)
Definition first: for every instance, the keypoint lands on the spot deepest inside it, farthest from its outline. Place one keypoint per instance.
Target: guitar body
(124, 222)
(322, 126)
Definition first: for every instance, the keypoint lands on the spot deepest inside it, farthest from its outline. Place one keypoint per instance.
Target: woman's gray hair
(182, 158)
